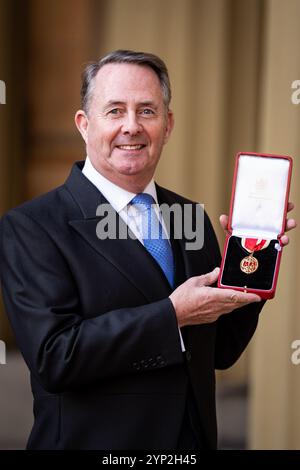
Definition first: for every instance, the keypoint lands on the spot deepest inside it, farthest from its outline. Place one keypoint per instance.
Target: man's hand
(289, 225)
(195, 302)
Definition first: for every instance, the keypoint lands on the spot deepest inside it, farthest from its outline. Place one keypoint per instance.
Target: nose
(131, 125)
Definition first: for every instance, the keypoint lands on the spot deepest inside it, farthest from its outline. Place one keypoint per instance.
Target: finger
(290, 224)
(236, 297)
(290, 206)
(209, 278)
(224, 221)
(285, 240)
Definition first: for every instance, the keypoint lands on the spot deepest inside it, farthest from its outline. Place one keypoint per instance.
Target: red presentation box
(258, 207)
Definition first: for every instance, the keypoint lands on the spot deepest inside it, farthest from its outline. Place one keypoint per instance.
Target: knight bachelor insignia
(249, 264)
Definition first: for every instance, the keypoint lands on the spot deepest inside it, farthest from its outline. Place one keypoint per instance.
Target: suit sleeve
(62, 349)
(233, 330)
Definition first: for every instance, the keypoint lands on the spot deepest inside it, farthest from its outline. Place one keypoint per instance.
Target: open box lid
(260, 195)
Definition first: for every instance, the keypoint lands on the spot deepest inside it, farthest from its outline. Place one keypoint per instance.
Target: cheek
(97, 137)
(106, 134)
(156, 135)
(159, 138)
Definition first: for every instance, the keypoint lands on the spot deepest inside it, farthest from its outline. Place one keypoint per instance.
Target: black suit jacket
(98, 332)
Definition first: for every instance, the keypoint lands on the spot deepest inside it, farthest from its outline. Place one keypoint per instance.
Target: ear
(169, 125)
(82, 123)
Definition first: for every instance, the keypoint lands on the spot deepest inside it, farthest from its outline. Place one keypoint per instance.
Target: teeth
(130, 147)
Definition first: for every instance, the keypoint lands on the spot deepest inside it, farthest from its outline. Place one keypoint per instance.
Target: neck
(135, 183)
(129, 183)
(131, 187)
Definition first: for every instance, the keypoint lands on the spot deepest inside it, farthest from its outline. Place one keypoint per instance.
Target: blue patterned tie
(153, 237)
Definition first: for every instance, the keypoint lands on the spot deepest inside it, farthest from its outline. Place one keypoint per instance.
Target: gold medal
(249, 264)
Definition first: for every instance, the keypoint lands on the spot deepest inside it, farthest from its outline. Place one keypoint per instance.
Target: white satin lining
(259, 199)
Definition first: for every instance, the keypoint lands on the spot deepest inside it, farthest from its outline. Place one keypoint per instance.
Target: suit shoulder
(41, 207)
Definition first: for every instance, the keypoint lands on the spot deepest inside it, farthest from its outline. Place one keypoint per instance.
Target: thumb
(224, 222)
(208, 278)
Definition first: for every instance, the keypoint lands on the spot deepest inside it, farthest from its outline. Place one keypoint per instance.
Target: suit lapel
(196, 262)
(127, 255)
(124, 254)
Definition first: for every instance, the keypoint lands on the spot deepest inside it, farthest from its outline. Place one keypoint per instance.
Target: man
(121, 344)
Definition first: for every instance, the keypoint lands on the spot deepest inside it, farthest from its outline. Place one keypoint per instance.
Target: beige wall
(275, 381)
(231, 64)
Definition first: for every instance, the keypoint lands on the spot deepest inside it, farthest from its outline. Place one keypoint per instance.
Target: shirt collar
(118, 197)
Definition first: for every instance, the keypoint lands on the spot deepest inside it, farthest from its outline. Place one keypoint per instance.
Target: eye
(115, 111)
(147, 111)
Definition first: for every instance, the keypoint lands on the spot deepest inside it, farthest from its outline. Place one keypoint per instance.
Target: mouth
(131, 147)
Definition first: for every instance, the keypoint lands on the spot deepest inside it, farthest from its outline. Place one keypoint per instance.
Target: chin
(131, 168)
(131, 172)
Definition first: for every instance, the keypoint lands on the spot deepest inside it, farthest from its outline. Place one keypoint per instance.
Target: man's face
(127, 124)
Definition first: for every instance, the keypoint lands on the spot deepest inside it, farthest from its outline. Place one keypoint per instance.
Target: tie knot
(143, 199)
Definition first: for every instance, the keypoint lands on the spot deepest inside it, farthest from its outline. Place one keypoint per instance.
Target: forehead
(122, 82)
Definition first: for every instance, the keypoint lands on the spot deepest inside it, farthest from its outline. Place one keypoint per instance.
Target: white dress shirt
(120, 199)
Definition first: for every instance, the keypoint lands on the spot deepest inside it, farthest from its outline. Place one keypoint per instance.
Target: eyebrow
(114, 103)
(148, 103)
(122, 103)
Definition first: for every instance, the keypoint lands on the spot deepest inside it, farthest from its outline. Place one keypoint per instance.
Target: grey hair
(125, 57)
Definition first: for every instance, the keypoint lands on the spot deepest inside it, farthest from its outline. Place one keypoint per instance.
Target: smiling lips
(131, 147)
